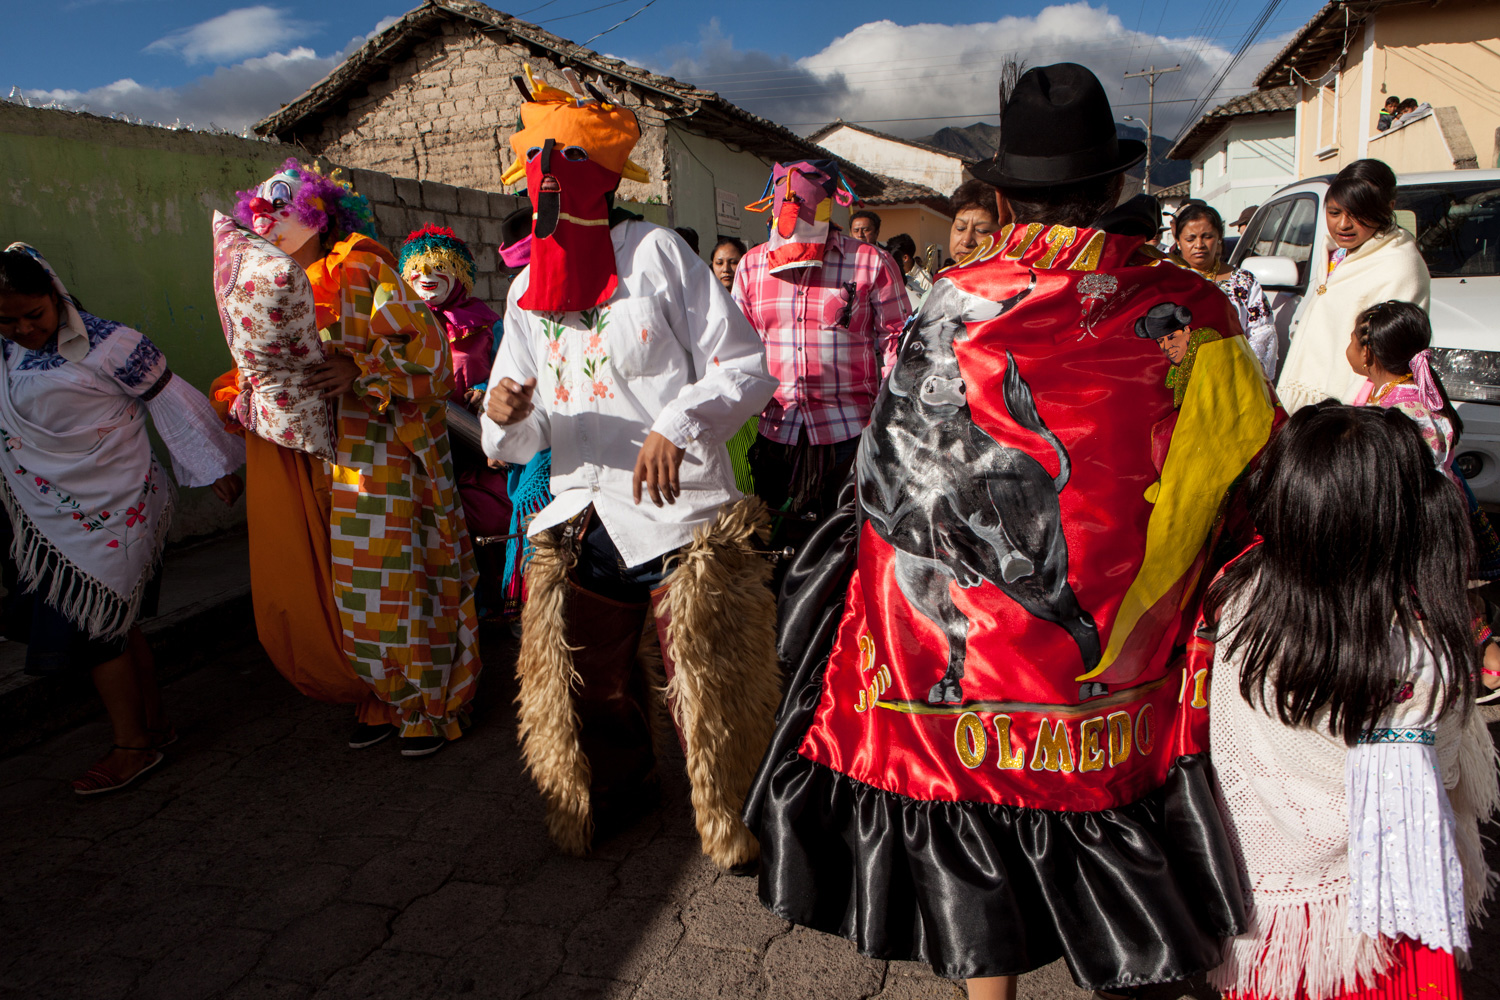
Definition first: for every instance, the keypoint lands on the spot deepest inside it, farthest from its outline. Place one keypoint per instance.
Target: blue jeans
(602, 571)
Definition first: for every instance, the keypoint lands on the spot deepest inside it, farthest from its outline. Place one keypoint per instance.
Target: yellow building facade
(1355, 53)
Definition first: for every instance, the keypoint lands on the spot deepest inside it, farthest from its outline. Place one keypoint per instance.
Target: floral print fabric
(1255, 315)
(266, 307)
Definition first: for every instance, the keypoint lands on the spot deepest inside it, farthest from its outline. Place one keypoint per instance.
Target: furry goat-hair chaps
(719, 618)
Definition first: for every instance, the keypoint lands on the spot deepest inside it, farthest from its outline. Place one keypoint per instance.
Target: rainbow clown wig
(439, 247)
(322, 202)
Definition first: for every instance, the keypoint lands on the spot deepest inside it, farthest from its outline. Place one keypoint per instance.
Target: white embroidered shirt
(670, 352)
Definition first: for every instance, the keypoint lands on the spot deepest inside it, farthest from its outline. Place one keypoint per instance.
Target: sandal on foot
(163, 737)
(99, 779)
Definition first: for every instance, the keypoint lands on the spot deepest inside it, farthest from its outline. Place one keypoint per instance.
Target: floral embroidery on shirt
(138, 365)
(98, 329)
(594, 374)
(595, 322)
(44, 358)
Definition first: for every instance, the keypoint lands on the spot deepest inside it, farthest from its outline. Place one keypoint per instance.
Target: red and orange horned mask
(572, 153)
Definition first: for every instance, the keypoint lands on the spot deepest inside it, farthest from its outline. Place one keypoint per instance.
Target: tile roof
(1257, 102)
(695, 109)
(899, 192)
(1324, 36)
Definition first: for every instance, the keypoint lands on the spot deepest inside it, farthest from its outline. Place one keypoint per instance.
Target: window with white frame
(1328, 116)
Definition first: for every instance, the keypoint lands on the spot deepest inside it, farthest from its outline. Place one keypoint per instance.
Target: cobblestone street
(267, 861)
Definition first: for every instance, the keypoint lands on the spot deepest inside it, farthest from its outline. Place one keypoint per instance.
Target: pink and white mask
(434, 282)
(274, 217)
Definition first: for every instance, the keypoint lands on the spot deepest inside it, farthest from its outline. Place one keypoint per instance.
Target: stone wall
(446, 112)
(402, 205)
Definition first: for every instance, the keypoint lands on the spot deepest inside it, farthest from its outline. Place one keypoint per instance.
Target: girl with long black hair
(1390, 347)
(1345, 667)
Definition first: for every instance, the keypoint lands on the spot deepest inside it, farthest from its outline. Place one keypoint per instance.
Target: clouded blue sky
(898, 65)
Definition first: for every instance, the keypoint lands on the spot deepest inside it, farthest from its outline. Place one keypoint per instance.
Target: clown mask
(431, 281)
(801, 197)
(274, 216)
(437, 264)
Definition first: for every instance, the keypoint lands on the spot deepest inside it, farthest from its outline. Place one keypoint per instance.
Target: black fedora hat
(1057, 128)
(1163, 320)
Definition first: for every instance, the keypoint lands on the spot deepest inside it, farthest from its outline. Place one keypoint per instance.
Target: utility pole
(1151, 75)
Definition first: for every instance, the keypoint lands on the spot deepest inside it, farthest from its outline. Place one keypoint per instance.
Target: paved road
(266, 861)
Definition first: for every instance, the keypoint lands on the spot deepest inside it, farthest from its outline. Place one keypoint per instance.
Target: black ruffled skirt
(1141, 894)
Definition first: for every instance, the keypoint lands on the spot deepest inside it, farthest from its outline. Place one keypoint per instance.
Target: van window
(1263, 240)
(1458, 226)
(1297, 235)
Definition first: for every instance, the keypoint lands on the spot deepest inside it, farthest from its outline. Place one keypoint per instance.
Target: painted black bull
(955, 504)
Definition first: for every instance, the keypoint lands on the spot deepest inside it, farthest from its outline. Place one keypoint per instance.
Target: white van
(1455, 216)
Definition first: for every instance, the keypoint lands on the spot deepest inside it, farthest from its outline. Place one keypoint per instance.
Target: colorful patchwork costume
(440, 268)
(628, 335)
(361, 570)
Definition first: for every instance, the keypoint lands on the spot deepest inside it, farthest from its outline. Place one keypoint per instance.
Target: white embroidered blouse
(670, 353)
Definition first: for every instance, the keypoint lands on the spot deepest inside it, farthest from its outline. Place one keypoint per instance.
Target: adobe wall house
(904, 159)
(431, 98)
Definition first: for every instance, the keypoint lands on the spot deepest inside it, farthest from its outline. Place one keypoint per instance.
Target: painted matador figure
(617, 334)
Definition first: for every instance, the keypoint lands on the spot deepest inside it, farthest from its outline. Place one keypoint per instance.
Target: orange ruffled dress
(361, 573)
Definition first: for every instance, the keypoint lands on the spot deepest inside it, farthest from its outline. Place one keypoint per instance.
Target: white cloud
(882, 71)
(231, 97)
(247, 31)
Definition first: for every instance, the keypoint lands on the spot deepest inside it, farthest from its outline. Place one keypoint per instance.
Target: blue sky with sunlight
(798, 63)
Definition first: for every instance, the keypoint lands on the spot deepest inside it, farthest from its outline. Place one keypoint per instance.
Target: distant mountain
(979, 141)
(972, 142)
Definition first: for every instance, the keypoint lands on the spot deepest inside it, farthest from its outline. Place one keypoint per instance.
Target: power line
(987, 113)
(580, 13)
(1245, 43)
(612, 27)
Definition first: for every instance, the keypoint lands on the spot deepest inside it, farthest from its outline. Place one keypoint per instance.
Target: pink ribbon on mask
(1427, 388)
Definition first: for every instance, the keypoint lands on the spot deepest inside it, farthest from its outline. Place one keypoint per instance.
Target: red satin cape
(1022, 736)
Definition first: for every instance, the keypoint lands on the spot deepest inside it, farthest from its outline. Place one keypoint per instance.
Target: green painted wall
(122, 213)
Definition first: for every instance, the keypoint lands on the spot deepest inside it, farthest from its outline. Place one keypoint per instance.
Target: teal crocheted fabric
(530, 488)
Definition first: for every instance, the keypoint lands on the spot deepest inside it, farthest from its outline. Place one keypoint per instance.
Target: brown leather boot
(613, 728)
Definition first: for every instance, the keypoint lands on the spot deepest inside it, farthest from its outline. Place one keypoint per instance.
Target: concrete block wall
(446, 113)
(403, 205)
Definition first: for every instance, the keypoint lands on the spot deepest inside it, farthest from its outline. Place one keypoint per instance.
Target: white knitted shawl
(1387, 266)
(1285, 793)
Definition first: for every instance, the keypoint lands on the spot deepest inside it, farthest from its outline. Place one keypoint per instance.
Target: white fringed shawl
(89, 505)
(1325, 907)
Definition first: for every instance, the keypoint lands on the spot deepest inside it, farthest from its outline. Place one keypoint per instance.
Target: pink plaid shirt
(827, 351)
